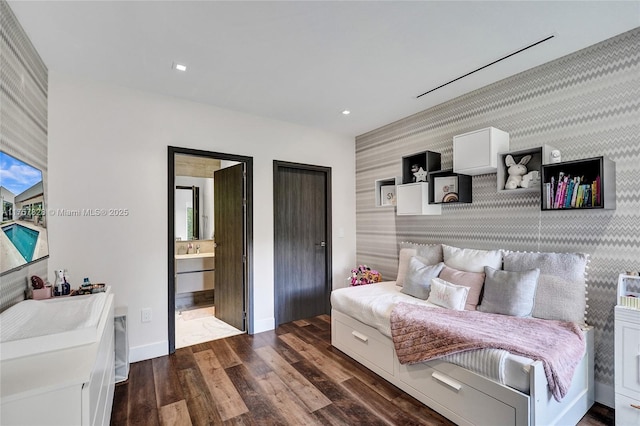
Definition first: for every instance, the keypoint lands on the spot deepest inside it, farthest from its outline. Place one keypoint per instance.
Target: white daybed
(359, 325)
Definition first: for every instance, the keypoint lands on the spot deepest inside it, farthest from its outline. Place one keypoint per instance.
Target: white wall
(108, 150)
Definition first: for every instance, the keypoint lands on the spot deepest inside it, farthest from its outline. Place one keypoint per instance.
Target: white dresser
(64, 377)
(627, 366)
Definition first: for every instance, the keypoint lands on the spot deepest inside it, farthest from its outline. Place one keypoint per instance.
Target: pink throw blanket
(421, 333)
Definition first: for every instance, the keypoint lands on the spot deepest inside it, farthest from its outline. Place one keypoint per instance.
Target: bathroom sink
(194, 255)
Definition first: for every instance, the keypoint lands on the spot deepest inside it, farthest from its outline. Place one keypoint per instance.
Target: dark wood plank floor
(290, 376)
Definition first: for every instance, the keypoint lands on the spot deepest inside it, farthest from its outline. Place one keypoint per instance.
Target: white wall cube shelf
(476, 153)
(380, 184)
(413, 199)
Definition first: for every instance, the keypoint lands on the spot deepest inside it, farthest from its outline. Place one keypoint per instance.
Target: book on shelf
(546, 193)
(587, 196)
(556, 201)
(576, 184)
(566, 192)
(569, 194)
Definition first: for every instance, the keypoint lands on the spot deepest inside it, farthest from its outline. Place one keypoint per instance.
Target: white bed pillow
(508, 292)
(448, 295)
(417, 282)
(429, 254)
(471, 260)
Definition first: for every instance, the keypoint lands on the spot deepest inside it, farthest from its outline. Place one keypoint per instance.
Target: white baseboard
(153, 350)
(264, 325)
(605, 394)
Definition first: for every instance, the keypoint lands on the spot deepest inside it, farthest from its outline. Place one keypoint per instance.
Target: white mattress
(372, 305)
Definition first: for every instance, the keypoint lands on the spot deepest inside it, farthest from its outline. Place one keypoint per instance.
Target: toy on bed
(364, 275)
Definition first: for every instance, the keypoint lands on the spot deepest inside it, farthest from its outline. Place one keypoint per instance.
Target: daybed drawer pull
(447, 381)
(360, 336)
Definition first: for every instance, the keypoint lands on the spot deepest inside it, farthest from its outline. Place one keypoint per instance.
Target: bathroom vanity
(195, 269)
(57, 361)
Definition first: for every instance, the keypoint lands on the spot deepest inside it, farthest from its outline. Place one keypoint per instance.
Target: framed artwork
(388, 195)
(445, 189)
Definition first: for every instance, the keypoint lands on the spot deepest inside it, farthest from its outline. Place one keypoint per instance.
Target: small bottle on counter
(66, 287)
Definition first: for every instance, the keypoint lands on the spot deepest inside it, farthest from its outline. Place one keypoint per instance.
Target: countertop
(195, 255)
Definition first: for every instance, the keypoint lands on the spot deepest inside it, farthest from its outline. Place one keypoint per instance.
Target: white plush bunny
(516, 171)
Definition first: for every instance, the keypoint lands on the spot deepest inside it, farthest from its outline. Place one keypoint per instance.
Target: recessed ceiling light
(346, 112)
(179, 67)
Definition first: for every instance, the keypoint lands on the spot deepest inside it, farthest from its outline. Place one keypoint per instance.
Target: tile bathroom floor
(198, 325)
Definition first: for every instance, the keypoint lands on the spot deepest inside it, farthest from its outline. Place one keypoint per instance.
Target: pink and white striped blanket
(422, 333)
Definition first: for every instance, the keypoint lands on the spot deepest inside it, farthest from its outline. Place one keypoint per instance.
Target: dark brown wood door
(229, 214)
(302, 246)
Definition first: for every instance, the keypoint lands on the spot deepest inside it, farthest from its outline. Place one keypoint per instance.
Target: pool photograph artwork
(24, 222)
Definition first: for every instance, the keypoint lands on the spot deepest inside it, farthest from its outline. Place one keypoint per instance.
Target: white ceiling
(304, 62)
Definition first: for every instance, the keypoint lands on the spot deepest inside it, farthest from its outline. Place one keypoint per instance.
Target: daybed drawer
(363, 340)
(471, 404)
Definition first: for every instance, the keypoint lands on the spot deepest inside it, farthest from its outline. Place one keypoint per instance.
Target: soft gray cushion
(561, 287)
(417, 282)
(429, 254)
(508, 292)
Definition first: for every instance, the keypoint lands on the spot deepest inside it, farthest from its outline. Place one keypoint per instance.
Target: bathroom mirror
(24, 226)
(187, 213)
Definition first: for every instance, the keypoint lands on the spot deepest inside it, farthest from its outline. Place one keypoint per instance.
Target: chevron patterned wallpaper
(23, 124)
(586, 104)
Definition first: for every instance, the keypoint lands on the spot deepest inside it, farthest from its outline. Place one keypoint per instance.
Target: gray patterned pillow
(508, 292)
(417, 282)
(430, 253)
(561, 286)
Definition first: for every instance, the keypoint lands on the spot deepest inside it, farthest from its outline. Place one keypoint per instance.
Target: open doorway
(209, 246)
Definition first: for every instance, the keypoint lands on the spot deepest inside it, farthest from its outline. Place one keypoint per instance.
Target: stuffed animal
(530, 178)
(516, 171)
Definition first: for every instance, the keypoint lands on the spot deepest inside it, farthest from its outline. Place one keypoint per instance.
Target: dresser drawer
(469, 403)
(626, 412)
(366, 342)
(627, 352)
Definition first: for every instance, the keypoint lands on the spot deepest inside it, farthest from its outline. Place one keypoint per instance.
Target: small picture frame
(388, 195)
(445, 189)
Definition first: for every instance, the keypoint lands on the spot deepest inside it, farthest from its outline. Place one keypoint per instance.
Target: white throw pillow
(471, 260)
(448, 295)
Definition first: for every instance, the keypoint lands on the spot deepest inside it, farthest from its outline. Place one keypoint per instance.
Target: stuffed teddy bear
(516, 171)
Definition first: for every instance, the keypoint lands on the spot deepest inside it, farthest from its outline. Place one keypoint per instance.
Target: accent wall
(586, 104)
(23, 125)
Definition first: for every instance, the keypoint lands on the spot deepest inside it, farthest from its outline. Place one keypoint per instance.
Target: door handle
(323, 244)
